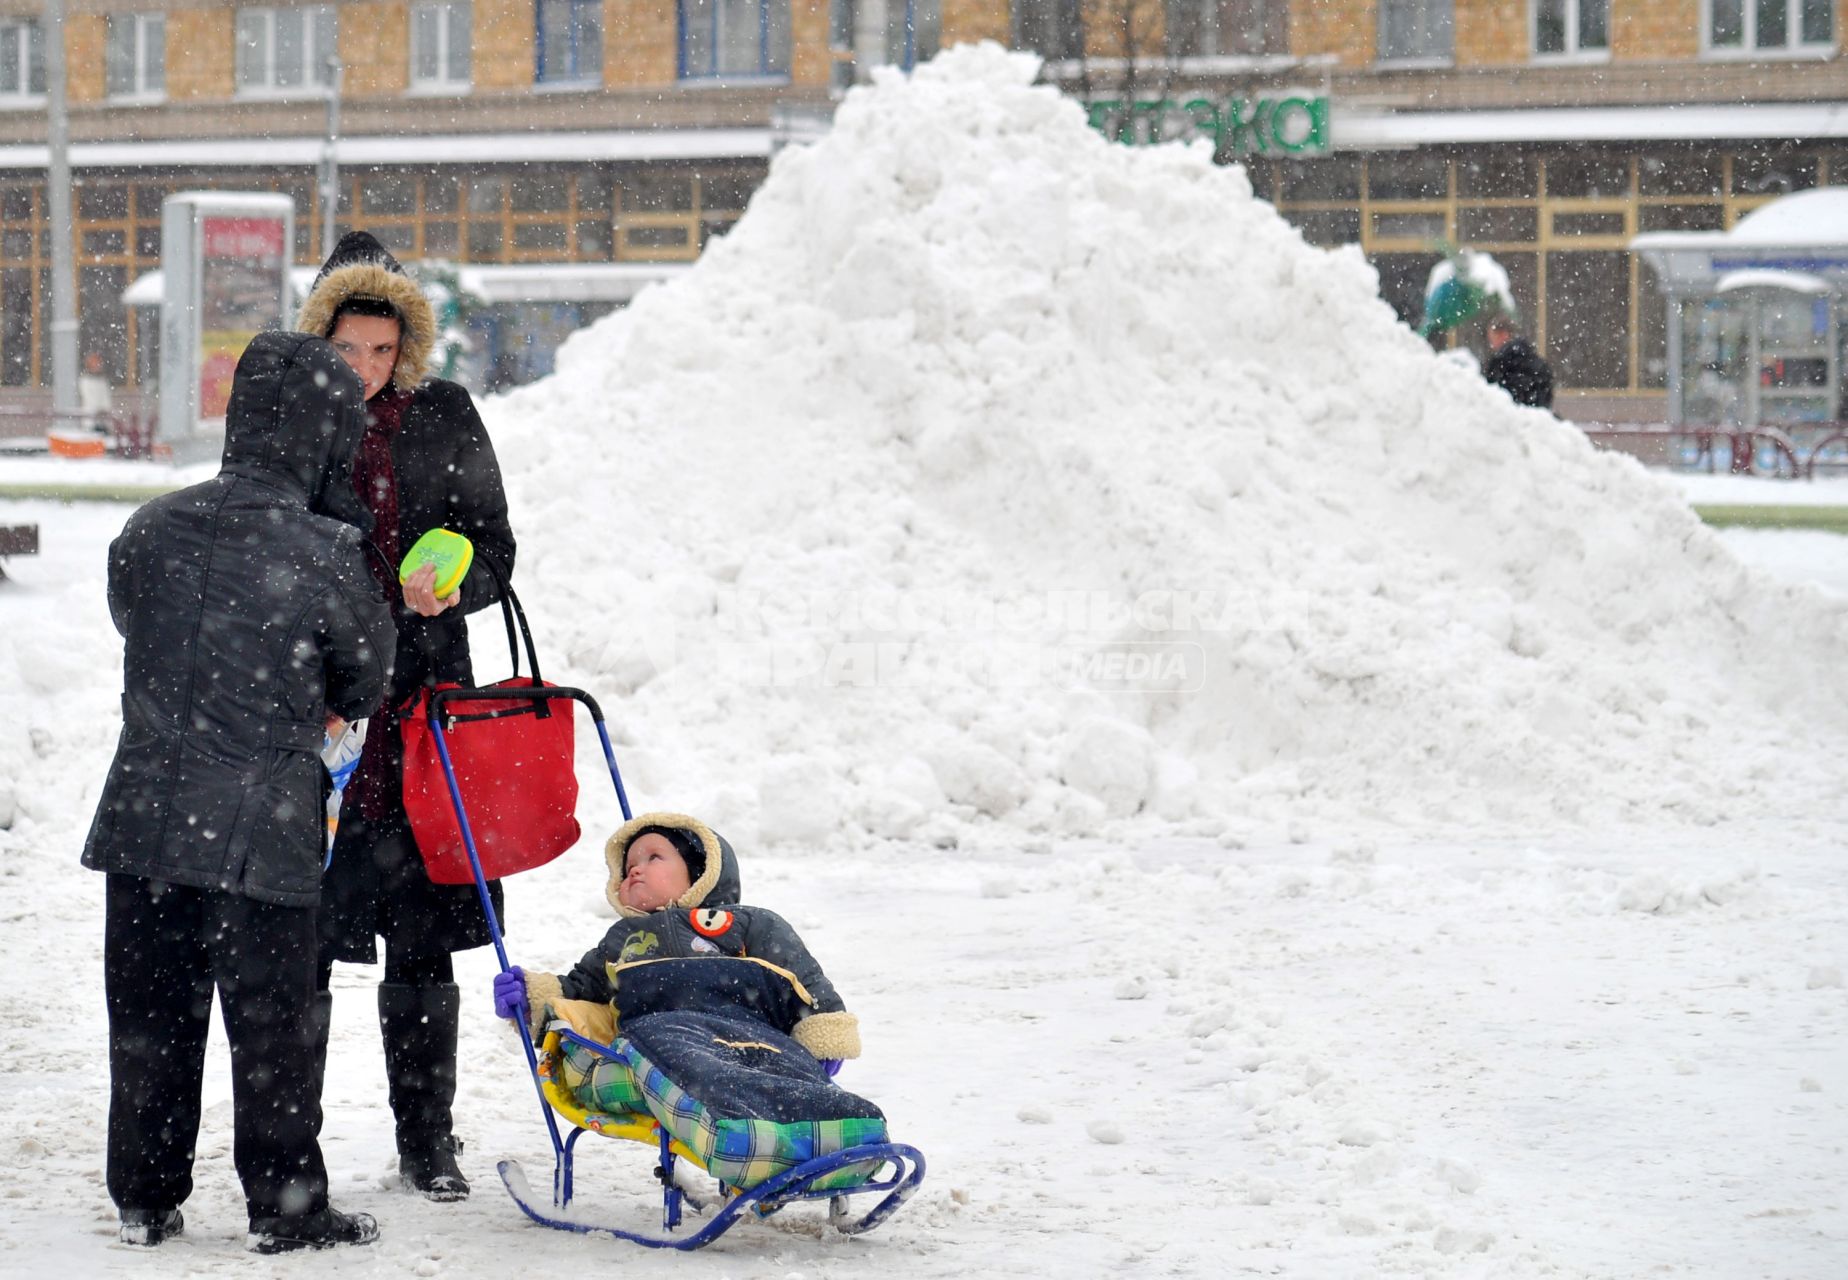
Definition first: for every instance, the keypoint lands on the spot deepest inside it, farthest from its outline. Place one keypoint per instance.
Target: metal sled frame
(906, 1163)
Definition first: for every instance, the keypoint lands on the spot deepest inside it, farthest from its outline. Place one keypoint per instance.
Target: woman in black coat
(424, 463)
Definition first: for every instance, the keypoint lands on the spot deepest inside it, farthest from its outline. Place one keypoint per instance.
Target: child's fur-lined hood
(360, 267)
(718, 883)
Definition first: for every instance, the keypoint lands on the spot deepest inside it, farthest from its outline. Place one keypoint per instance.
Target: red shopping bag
(512, 758)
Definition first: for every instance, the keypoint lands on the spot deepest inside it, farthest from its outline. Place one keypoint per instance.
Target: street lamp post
(58, 216)
(330, 160)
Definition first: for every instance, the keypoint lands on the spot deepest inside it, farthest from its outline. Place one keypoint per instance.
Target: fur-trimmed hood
(360, 267)
(718, 883)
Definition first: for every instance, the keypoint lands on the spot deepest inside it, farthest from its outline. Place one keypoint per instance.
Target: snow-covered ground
(1472, 906)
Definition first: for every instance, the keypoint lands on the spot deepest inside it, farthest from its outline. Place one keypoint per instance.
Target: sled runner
(749, 1180)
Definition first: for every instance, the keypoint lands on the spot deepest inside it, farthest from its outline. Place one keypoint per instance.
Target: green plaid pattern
(743, 1153)
(599, 1083)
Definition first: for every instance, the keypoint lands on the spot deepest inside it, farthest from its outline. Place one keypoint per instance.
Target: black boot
(150, 1226)
(321, 1230)
(419, 1025)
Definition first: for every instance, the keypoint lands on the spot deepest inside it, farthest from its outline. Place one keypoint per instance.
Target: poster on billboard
(241, 260)
(225, 277)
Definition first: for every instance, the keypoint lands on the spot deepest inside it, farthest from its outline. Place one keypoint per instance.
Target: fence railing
(1796, 452)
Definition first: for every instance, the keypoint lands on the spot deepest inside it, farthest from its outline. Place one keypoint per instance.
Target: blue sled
(762, 1200)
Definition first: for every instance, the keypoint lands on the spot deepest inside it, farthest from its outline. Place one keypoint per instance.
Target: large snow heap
(991, 473)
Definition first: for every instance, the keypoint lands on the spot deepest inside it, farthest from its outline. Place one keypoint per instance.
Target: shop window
(1415, 30)
(1497, 177)
(135, 55)
(1586, 177)
(105, 244)
(102, 200)
(102, 319)
(1651, 327)
(537, 194)
(1681, 217)
(733, 38)
(484, 241)
(1588, 300)
(595, 241)
(1332, 178)
(1773, 172)
(1328, 226)
(1568, 28)
(1490, 224)
(439, 194)
(1689, 174)
(16, 204)
(388, 194)
(22, 60)
(147, 242)
(439, 238)
(1408, 226)
(570, 41)
(1608, 222)
(1206, 28)
(1411, 176)
(539, 237)
(148, 200)
(441, 46)
(594, 190)
(727, 190)
(16, 327)
(16, 246)
(657, 192)
(1749, 27)
(1053, 29)
(400, 239)
(286, 50)
(486, 195)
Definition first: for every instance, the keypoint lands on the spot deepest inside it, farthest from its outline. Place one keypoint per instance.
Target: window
(570, 41)
(285, 50)
(1769, 26)
(22, 59)
(914, 28)
(1563, 28)
(1207, 28)
(440, 45)
(1051, 28)
(135, 56)
(1416, 30)
(734, 38)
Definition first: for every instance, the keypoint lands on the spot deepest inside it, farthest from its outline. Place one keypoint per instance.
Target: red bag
(512, 758)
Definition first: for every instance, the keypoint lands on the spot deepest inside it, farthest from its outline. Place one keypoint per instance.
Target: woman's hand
(420, 594)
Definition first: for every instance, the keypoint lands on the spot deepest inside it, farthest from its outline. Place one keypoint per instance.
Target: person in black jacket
(425, 462)
(250, 618)
(1516, 367)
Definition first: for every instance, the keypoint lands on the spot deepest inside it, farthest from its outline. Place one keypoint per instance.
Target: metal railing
(1794, 452)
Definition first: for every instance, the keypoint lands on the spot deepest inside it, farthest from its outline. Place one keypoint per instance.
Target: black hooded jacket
(1521, 371)
(249, 614)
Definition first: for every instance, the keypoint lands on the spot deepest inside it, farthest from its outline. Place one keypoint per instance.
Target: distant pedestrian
(250, 617)
(1516, 367)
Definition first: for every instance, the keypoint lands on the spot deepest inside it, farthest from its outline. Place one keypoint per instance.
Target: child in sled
(723, 1027)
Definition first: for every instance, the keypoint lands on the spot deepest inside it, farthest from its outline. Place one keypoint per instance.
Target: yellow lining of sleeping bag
(635, 1128)
(611, 971)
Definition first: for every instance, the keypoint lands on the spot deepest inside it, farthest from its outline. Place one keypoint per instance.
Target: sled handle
(539, 695)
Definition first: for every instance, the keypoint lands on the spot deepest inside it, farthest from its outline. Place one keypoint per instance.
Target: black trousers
(165, 949)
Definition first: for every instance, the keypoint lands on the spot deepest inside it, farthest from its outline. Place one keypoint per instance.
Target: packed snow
(1276, 807)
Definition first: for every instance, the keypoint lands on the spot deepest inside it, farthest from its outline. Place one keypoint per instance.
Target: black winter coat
(249, 614)
(1520, 371)
(447, 477)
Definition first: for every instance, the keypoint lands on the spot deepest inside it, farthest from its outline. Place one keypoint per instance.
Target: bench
(17, 540)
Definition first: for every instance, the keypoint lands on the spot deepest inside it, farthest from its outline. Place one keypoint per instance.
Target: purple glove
(510, 994)
(832, 1066)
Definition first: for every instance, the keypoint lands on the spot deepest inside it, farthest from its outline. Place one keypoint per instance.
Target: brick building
(533, 138)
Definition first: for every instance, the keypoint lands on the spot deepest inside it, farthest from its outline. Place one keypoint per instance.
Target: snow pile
(991, 473)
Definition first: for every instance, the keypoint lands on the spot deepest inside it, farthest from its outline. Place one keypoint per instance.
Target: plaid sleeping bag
(748, 1101)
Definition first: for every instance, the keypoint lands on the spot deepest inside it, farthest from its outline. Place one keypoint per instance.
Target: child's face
(654, 874)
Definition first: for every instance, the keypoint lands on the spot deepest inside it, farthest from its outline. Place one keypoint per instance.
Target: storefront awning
(1357, 128)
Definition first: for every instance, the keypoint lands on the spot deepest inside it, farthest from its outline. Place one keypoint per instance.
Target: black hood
(295, 419)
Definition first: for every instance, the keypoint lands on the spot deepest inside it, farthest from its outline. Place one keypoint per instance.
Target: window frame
(1793, 49)
(139, 64)
(542, 78)
(29, 32)
(1415, 61)
(1572, 53)
(314, 58)
(766, 69)
(447, 13)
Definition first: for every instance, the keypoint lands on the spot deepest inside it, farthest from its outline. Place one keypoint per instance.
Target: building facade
(538, 137)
